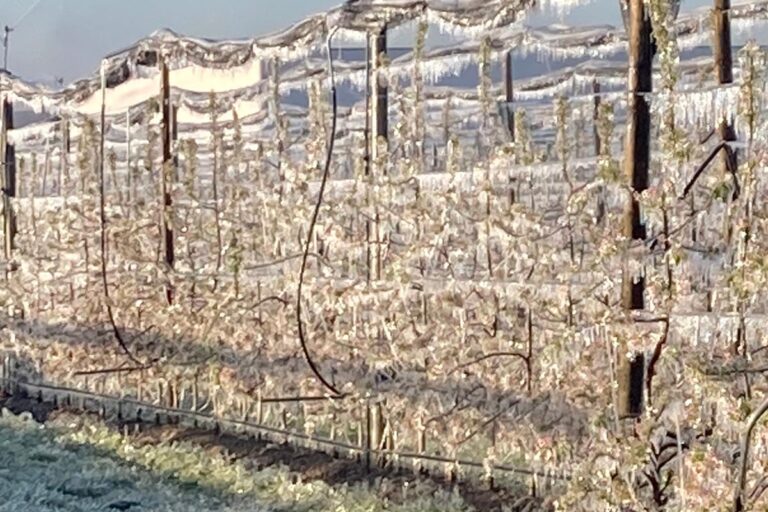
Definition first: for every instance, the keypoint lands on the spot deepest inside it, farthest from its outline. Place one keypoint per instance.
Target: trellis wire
(18, 386)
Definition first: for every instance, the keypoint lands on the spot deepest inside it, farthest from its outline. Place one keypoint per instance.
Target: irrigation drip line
(313, 222)
(556, 474)
(103, 227)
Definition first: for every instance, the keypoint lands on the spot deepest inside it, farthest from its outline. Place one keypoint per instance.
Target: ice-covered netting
(296, 42)
(695, 27)
(702, 107)
(694, 105)
(200, 66)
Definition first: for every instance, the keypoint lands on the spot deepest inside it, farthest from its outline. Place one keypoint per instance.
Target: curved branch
(739, 501)
(651, 371)
(326, 172)
(103, 228)
(723, 146)
(270, 299)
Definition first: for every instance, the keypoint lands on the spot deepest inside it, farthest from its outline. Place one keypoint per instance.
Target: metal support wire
(150, 410)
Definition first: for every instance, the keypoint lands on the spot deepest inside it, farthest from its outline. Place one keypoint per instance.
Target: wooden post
(368, 66)
(724, 68)
(491, 481)
(360, 441)
(379, 140)
(9, 182)
(381, 98)
(636, 164)
(195, 391)
(596, 117)
(368, 436)
(6, 374)
(166, 174)
(46, 171)
(175, 141)
(600, 209)
(376, 430)
(129, 177)
(631, 377)
(510, 98)
(637, 149)
(64, 162)
(421, 445)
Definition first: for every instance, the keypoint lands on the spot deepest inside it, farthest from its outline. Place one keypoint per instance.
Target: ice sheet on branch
(701, 107)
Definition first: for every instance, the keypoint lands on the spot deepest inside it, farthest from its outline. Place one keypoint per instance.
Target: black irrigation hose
(103, 230)
(318, 204)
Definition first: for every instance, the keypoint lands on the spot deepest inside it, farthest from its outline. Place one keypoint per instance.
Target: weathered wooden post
(381, 98)
(64, 156)
(724, 69)
(379, 140)
(421, 445)
(175, 140)
(510, 96)
(636, 164)
(631, 376)
(129, 177)
(368, 94)
(9, 183)
(374, 439)
(600, 208)
(166, 174)
(596, 117)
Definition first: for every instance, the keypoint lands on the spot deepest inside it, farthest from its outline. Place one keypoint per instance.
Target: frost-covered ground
(49, 468)
(76, 464)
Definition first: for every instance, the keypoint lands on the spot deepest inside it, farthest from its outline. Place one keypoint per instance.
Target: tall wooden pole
(636, 164)
(379, 140)
(380, 147)
(724, 68)
(64, 156)
(596, 117)
(381, 98)
(638, 139)
(368, 66)
(600, 208)
(166, 174)
(128, 162)
(510, 96)
(9, 182)
(175, 140)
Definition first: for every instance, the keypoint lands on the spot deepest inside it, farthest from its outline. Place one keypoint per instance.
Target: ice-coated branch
(310, 231)
(740, 499)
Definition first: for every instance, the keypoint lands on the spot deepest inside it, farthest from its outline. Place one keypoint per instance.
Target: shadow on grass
(257, 454)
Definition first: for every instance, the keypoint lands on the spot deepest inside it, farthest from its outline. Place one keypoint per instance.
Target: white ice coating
(201, 66)
(549, 171)
(561, 7)
(193, 81)
(196, 79)
(37, 131)
(700, 107)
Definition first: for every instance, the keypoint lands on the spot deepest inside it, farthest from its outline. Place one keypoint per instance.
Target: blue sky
(67, 38)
